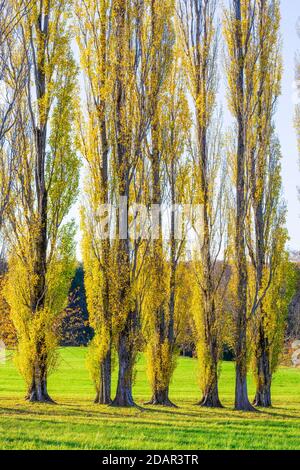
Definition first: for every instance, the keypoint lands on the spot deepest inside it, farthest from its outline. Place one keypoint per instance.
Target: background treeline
(139, 111)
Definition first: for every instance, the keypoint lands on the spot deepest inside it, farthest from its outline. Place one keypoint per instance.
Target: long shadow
(280, 415)
(42, 442)
(65, 409)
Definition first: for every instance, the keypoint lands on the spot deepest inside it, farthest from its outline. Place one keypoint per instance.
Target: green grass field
(76, 423)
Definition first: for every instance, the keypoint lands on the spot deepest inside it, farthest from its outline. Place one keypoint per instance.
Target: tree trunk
(126, 356)
(103, 396)
(259, 194)
(161, 397)
(241, 393)
(37, 391)
(211, 395)
(242, 402)
(264, 374)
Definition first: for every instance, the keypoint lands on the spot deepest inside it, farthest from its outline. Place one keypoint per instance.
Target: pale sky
(290, 11)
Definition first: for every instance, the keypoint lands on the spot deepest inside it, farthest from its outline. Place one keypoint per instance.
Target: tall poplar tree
(198, 31)
(161, 39)
(170, 166)
(267, 245)
(129, 127)
(41, 247)
(93, 35)
(239, 25)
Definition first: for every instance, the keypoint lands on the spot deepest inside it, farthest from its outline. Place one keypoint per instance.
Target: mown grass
(76, 423)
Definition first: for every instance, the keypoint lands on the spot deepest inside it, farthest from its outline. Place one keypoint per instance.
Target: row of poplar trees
(139, 107)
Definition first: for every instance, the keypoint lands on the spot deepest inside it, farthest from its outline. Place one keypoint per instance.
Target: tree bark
(263, 371)
(241, 393)
(38, 389)
(103, 396)
(126, 337)
(261, 217)
(242, 402)
(164, 327)
(210, 397)
(37, 392)
(161, 398)
(126, 355)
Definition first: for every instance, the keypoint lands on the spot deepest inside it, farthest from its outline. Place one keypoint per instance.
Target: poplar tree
(41, 246)
(93, 22)
(160, 345)
(198, 32)
(129, 127)
(267, 243)
(164, 309)
(239, 22)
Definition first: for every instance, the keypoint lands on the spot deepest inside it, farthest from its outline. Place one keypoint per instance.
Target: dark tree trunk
(263, 372)
(37, 391)
(103, 396)
(242, 402)
(126, 356)
(126, 337)
(163, 324)
(241, 393)
(262, 216)
(211, 396)
(161, 398)
(208, 287)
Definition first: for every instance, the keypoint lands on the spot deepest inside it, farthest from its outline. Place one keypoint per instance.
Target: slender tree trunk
(103, 396)
(263, 372)
(210, 397)
(262, 358)
(164, 328)
(38, 388)
(126, 337)
(241, 393)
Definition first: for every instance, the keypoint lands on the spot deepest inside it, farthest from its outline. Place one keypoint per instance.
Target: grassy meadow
(76, 423)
